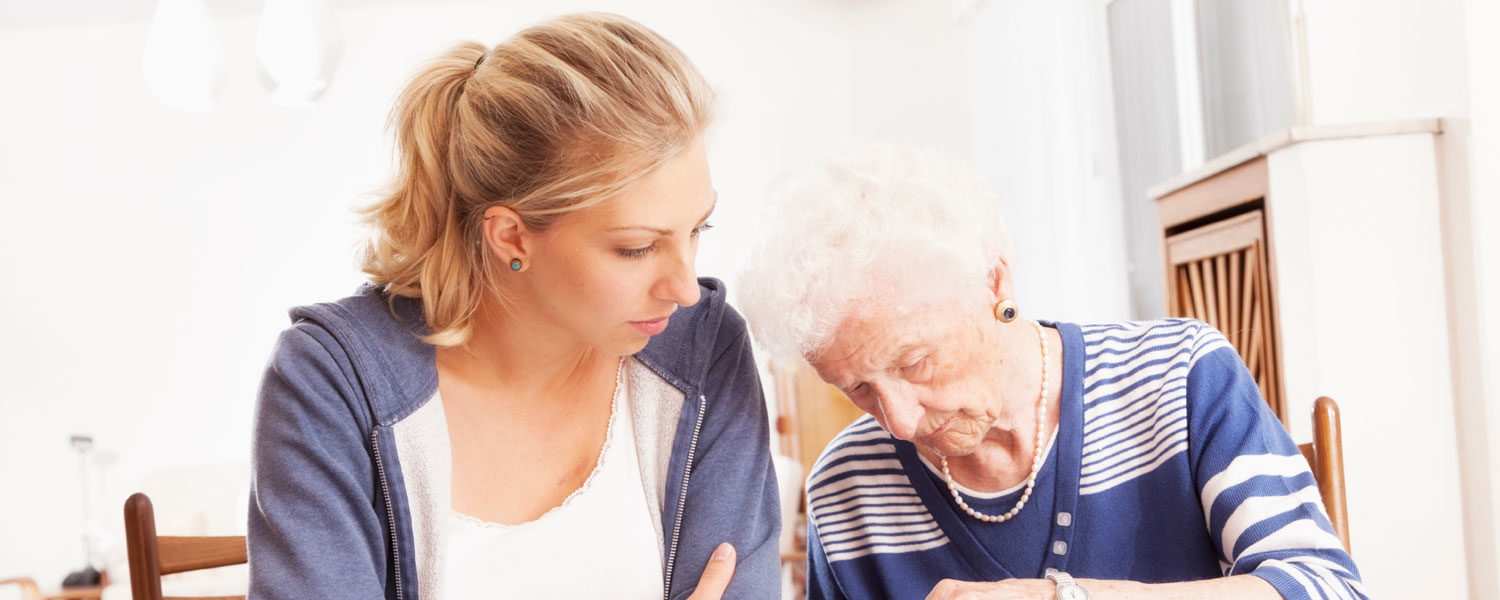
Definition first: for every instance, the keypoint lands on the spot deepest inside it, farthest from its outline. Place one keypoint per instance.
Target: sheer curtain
(1045, 136)
(1250, 71)
(1193, 79)
(1157, 140)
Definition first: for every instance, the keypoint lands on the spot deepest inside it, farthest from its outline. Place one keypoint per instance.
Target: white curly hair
(882, 224)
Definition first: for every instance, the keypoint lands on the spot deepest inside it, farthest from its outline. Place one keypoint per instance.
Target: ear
(1000, 281)
(506, 235)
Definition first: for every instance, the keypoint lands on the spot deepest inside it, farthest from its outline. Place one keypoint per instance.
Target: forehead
(878, 334)
(678, 190)
(866, 338)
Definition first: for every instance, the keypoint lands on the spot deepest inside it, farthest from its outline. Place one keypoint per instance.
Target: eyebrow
(669, 231)
(904, 351)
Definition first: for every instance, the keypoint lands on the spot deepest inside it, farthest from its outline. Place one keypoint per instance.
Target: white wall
(1482, 401)
(150, 256)
(1455, 152)
(1373, 60)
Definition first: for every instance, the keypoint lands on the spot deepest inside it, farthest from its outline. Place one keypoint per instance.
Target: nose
(901, 415)
(679, 284)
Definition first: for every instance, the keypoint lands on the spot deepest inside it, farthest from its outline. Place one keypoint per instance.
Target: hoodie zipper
(687, 472)
(390, 513)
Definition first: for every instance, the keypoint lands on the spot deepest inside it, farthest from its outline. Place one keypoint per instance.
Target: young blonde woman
(535, 396)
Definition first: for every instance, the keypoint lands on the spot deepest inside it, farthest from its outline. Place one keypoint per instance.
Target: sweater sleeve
(733, 493)
(314, 528)
(1259, 497)
(820, 581)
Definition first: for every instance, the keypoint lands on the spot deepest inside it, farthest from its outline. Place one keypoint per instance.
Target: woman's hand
(1010, 589)
(716, 575)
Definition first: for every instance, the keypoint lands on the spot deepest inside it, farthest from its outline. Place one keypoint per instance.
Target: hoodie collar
(397, 372)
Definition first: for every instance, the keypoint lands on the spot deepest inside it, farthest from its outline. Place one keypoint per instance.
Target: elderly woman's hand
(1237, 587)
(1010, 589)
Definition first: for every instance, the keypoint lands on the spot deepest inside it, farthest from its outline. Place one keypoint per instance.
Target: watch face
(1071, 592)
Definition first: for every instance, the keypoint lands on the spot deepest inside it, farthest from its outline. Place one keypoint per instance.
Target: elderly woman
(1005, 457)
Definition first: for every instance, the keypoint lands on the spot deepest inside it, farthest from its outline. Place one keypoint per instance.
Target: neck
(1003, 457)
(516, 352)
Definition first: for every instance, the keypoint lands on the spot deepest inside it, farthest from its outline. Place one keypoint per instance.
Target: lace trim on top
(609, 437)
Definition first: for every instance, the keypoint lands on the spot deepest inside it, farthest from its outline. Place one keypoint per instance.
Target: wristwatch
(1067, 588)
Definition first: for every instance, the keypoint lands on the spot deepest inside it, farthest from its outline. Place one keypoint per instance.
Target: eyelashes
(645, 250)
(916, 371)
(636, 252)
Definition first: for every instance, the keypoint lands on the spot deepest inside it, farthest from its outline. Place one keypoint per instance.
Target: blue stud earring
(515, 264)
(1005, 311)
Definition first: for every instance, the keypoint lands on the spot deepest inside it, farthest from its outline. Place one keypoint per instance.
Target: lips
(651, 327)
(940, 429)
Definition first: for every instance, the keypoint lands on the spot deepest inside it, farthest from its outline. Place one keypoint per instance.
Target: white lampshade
(299, 46)
(184, 58)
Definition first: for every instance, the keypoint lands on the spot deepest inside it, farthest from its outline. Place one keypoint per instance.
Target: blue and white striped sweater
(1167, 466)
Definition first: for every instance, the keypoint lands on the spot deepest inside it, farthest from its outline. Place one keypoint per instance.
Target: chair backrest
(1325, 454)
(152, 556)
(29, 590)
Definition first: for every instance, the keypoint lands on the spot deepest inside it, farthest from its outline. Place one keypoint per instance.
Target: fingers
(1010, 589)
(950, 589)
(946, 589)
(716, 575)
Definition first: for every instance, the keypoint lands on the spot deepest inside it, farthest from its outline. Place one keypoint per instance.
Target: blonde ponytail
(560, 117)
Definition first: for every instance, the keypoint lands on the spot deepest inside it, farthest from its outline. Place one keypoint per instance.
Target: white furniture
(1353, 216)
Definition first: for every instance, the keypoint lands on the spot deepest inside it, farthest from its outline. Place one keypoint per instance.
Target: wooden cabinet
(1219, 268)
(1366, 299)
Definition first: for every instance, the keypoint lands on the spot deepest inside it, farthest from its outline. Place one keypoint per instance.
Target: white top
(599, 543)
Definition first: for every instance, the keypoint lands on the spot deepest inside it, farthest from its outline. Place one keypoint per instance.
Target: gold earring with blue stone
(1005, 311)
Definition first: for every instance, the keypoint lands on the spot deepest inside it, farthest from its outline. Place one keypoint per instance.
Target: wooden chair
(152, 556)
(811, 413)
(1326, 456)
(29, 590)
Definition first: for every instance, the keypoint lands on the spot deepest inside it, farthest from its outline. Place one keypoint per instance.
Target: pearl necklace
(1036, 456)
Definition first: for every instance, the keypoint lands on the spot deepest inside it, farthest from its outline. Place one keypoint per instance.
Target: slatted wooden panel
(1219, 275)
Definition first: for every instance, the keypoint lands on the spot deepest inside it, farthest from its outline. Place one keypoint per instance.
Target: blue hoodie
(332, 509)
